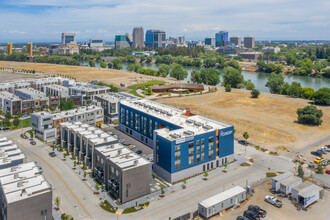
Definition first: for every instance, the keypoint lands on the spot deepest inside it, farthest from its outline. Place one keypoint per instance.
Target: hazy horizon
(43, 21)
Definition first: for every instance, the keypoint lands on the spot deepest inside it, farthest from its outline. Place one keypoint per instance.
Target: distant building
(210, 41)
(121, 42)
(249, 42)
(25, 193)
(9, 48)
(221, 38)
(29, 93)
(96, 44)
(182, 40)
(138, 37)
(42, 125)
(236, 40)
(193, 44)
(68, 38)
(271, 49)
(140, 53)
(156, 39)
(227, 50)
(251, 55)
(29, 49)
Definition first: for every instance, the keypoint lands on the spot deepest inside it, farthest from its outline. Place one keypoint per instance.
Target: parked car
(243, 142)
(251, 215)
(325, 162)
(327, 171)
(272, 200)
(323, 150)
(138, 152)
(318, 159)
(262, 213)
(328, 145)
(33, 142)
(52, 154)
(242, 218)
(316, 153)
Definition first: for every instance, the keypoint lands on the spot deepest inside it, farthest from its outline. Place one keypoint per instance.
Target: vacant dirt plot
(270, 121)
(10, 77)
(85, 74)
(318, 210)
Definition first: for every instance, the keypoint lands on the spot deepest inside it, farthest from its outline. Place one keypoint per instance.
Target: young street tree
(301, 171)
(246, 135)
(57, 202)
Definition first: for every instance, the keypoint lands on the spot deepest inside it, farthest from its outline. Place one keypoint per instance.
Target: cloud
(16, 32)
(271, 19)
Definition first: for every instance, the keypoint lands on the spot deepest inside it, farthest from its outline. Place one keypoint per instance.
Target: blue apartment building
(184, 144)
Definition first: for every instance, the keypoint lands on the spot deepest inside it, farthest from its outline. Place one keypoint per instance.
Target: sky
(45, 20)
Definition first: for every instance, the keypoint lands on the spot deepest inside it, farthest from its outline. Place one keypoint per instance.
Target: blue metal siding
(164, 151)
(226, 141)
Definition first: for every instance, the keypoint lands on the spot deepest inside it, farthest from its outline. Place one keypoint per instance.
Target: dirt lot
(317, 211)
(10, 77)
(85, 74)
(270, 121)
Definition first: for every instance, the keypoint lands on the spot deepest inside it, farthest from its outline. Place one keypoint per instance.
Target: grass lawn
(149, 83)
(22, 123)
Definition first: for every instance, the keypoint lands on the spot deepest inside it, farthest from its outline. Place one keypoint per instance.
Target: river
(258, 78)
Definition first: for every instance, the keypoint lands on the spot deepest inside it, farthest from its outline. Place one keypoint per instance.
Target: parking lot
(318, 210)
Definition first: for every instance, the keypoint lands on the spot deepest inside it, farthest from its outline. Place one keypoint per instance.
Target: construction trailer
(215, 204)
(276, 181)
(307, 193)
(287, 185)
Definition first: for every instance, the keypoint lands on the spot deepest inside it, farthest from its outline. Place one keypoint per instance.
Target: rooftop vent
(188, 132)
(190, 121)
(20, 184)
(198, 124)
(12, 169)
(23, 192)
(15, 175)
(119, 151)
(207, 127)
(136, 162)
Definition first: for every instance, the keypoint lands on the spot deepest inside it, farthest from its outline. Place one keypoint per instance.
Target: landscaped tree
(309, 115)
(70, 104)
(322, 96)
(103, 65)
(233, 77)
(6, 122)
(249, 85)
(228, 88)
(91, 63)
(294, 90)
(275, 83)
(178, 72)
(307, 93)
(246, 135)
(320, 169)
(300, 171)
(255, 93)
(149, 91)
(210, 76)
(57, 202)
(116, 64)
(164, 69)
(196, 76)
(110, 65)
(134, 67)
(16, 121)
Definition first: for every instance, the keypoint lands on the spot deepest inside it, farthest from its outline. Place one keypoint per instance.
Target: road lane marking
(199, 194)
(57, 175)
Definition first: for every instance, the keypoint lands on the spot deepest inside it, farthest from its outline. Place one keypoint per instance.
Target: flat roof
(283, 176)
(3, 139)
(302, 186)
(222, 196)
(31, 91)
(122, 156)
(56, 87)
(309, 191)
(8, 95)
(17, 169)
(191, 124)
(115, 96)
(290, 181)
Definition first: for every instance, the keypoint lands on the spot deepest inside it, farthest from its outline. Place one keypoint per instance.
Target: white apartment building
(25, 193)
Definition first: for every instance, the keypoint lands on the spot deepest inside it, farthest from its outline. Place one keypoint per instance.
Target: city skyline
(44, 21)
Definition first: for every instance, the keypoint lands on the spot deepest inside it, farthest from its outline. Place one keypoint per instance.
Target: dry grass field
(84, 74)
(270, 121)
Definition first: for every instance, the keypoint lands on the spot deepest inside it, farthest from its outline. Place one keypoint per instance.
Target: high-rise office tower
(155, 39)
(138, 37)
(9, 48)
(121, 41)
(221, 38)
(29, 49)
(236, 40)
(249, 42)
(68, 38)
(210, 41)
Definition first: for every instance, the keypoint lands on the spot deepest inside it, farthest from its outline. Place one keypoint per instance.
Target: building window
(132, 120)
(127, 117)
(177, 154)
(191, 150)
(202, 150)
(137, 122)
(150, 128)
(211, 144)
(122, 115)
